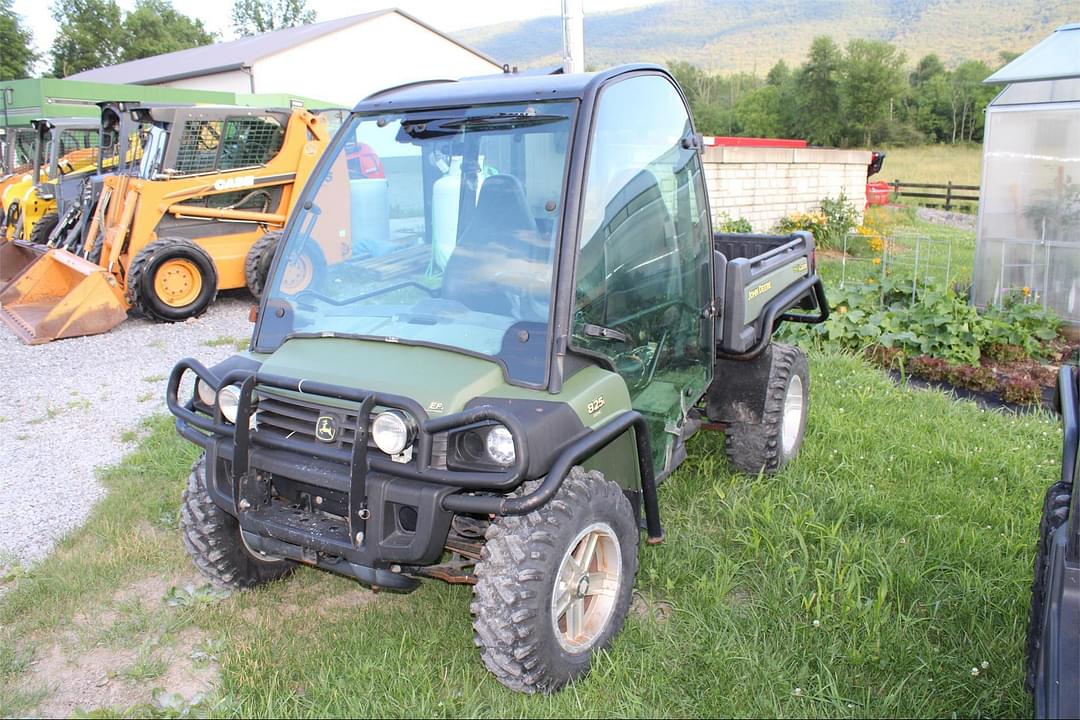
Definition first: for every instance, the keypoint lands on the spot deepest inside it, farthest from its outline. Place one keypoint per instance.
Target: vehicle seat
(501, 237)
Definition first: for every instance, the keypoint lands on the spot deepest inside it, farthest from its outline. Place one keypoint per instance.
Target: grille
(291, 418)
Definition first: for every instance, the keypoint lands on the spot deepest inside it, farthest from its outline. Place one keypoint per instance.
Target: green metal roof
(1055, 58)
(24, 100)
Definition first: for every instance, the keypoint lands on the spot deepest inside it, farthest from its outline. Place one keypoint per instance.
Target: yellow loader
(199, 214)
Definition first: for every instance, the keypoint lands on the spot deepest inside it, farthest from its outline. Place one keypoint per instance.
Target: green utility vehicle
(491, 325)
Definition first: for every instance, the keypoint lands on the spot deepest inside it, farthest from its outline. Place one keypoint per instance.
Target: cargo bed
(759, 278)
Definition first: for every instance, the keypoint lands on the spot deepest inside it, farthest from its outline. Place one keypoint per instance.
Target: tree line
(858, 95)
(96, 33)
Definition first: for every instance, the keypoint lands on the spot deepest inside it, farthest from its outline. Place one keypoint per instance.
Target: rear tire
(768, 445)
(258, 261)
(39, 235)
(528, 569)
(212, 539)
(172, 279)
(1055, 514)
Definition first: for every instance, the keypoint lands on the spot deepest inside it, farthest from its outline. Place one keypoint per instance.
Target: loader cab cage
(188, 141)
(18, 150)
(123, 138)
(68, 146)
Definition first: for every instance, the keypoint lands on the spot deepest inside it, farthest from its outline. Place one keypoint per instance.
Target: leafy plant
(1022, 391)
(727, 224)
(841, 217)
(976, 377)
(932, 321)
(813, 222)
(192, 596)
(829, 225)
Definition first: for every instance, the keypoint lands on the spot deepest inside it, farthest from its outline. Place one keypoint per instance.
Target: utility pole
(573, 17)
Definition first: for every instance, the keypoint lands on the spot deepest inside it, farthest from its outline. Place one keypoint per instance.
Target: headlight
(392, 432)
(500, 445)
(228, 399)
(206, 394)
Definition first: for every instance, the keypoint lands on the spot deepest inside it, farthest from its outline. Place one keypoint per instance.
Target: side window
(643, 260)
(77, 150)
(231, 144)
(198, 149)
(250, 141)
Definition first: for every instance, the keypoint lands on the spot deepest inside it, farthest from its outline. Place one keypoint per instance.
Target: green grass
(891, 558)
(934, 164)
(962, 164)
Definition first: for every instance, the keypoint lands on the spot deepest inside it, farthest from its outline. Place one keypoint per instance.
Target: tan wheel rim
(178, 282)
(586, 588)
(298, 274)
(794, 406)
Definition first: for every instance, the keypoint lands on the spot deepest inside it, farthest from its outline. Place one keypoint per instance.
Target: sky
(446, 15)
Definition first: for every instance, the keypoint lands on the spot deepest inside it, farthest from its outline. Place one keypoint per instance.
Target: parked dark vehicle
(1053, 644)
(533, 319)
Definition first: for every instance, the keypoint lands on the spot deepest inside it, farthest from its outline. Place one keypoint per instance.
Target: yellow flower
(877, 261)
(1026, 291)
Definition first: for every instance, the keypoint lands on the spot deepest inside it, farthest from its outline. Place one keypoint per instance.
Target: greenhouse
(1029, 213)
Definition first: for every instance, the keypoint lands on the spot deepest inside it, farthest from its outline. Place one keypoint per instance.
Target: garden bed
(1005, 378)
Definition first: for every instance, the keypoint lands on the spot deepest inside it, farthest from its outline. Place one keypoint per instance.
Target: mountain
(751, 35)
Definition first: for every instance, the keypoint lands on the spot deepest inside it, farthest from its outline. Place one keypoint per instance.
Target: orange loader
(199, 213)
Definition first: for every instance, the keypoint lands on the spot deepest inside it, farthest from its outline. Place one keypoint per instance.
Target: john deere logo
(326, 428)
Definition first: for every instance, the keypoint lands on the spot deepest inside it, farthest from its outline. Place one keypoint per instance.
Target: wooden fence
(951, 192)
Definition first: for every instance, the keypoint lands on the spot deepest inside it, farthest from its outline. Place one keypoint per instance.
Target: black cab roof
(506, 87)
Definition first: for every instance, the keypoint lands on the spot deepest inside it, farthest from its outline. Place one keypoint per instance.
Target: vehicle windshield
(73, 150)
(436, 228)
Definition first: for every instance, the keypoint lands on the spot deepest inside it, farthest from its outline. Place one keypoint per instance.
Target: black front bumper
(365, 535)
(367, 490)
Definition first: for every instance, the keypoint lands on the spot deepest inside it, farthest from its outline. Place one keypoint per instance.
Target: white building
(339, 61)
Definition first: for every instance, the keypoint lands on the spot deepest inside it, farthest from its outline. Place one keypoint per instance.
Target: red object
(877, 193)
(363, 162)
(726, 141)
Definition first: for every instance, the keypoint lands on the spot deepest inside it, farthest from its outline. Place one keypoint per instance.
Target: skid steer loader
(65, 152)
(199, 215)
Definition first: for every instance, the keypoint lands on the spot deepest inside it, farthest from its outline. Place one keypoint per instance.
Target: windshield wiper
(496, 121)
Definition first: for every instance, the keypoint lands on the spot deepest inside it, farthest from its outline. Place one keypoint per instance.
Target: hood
(442, 381)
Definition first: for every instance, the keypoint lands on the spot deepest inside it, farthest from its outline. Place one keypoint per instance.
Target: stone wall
(764, 185)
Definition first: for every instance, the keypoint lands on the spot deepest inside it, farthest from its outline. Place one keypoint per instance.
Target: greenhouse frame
(1028, 245)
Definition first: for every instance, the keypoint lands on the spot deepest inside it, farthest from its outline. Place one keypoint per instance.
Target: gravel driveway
(64, 406)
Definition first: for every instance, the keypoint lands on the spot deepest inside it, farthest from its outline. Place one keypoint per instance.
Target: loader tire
(533, 574)
(39, 235)
(212, 539)
(258, 261)
(172, 279)
(766, 446)
(1055, 514)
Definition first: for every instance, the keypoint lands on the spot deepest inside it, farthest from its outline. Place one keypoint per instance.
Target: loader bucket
(60, 296)
(15, 257)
